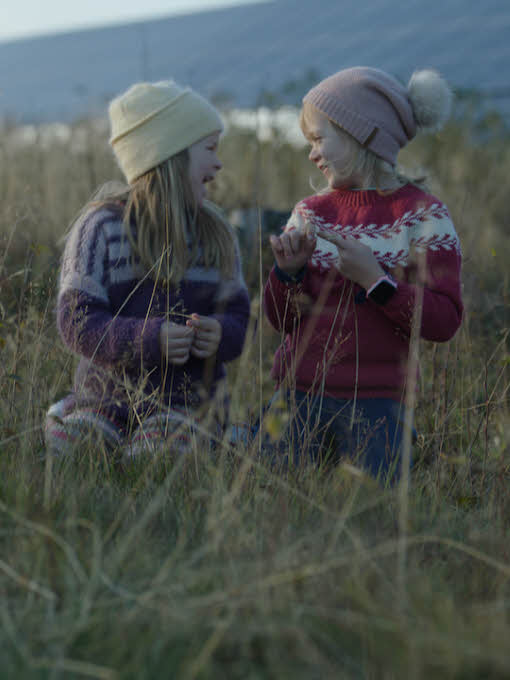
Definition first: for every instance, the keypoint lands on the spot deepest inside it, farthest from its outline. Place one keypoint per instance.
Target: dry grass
(216, 566)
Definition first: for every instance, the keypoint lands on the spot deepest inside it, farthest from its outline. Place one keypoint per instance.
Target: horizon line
(120, 23)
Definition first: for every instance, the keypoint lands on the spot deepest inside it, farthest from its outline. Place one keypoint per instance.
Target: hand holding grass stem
(292, 250)
(207, 333)
(175, 342)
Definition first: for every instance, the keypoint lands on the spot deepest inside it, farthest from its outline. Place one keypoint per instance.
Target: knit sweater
(348, 344)
(109, 312)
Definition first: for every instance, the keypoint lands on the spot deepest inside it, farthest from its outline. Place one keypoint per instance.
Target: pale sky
(26, 18)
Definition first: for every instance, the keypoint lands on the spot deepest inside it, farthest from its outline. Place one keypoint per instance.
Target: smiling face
(203, 164)
(333, 151)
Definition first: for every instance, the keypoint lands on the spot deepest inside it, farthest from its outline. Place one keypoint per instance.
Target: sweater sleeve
(442, 306)
(279, 295)
(232, 310)
(281, 289)
(85, 319)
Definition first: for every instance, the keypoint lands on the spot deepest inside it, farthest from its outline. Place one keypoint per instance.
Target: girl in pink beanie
(353, 263)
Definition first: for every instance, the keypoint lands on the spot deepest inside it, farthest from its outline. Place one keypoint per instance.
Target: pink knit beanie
(379, 112)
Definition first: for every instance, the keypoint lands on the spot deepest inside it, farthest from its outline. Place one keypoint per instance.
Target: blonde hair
(363, 165)
(166, 227)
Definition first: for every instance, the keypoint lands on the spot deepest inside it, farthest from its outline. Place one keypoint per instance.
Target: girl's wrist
(372, 279)
(286, 276)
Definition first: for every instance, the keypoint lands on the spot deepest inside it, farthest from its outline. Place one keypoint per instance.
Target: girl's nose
(313, 155)
(217, 164)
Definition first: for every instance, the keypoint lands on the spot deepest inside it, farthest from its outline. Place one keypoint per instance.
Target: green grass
(215, 566)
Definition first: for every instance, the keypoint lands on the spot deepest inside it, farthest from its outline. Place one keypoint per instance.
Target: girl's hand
(206, 335)
(292, 250)
(356, 260)
(175, 341)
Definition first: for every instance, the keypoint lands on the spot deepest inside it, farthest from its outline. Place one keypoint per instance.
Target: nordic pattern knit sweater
(348, 345)
(109, 312)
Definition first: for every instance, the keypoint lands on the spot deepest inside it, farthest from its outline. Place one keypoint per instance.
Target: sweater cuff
(147, 344)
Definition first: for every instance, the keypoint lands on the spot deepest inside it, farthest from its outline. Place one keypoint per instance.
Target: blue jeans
(326, 430)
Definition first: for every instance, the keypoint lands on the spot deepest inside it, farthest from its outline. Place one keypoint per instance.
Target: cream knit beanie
(378, 111)
(151, 122)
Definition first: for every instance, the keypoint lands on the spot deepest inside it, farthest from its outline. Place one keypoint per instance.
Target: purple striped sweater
(109, 312)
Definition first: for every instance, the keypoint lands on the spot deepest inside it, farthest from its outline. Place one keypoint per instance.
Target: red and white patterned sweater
(347, 344)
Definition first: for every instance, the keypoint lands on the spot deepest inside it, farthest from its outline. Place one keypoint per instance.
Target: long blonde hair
(364, 165)
(166, 227)
(169, 231)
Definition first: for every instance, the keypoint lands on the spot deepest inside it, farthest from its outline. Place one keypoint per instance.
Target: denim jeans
(327, 430)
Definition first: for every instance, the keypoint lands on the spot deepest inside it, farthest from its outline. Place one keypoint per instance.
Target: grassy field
(215, 566)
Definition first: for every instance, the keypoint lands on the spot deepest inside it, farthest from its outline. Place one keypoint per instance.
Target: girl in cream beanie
(359, 268)
(152, 122)
(151, 296)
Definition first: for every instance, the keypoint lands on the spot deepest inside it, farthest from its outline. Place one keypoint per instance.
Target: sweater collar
(355, 198)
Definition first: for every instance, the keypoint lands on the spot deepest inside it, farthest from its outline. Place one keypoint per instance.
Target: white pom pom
(431, 99)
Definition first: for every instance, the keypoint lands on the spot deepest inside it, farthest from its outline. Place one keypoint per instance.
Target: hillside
(242, 54)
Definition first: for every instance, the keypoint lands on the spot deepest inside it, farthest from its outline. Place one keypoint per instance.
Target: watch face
(383, 292)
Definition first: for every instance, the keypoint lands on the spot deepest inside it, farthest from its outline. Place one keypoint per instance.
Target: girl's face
(332, 150)
(203, 164)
